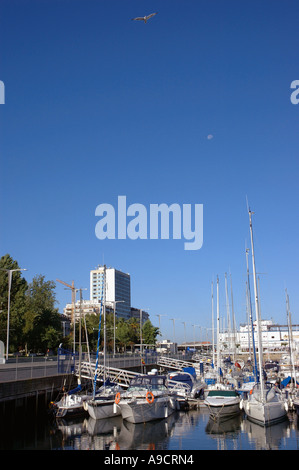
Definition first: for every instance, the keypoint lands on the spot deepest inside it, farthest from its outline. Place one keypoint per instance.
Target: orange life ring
(147, 395)
(117, 398)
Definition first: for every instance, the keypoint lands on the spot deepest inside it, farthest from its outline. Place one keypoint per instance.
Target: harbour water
(183, 431)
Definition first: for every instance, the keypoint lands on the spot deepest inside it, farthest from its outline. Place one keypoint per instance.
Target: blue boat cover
(286, 381)
(75, 390)
(190, 370)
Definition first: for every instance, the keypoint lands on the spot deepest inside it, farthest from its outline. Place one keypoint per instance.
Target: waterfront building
(118, 290)
(274, 337)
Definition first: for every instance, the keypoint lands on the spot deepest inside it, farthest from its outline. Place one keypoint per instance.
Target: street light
(141, 346)
(174, 343)
(9, 272)
(184, 323)
(159, 315)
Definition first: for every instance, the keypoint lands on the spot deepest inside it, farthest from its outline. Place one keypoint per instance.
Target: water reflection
(148, 436)
(88, 433)
(182, 430)
(190, 430)
(224, 427)
(266, 437)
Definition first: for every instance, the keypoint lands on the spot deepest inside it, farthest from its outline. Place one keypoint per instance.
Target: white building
(118, 290)
(87, 307)
(273, 336)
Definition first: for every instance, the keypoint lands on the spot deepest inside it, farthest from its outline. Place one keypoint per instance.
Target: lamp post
(159, 315)
(9, 272)
(194, 334)
(141, 346)
(173, 321)
(184, 323)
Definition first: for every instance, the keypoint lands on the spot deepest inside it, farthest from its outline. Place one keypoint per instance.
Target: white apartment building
(87, 308)
(118, 290)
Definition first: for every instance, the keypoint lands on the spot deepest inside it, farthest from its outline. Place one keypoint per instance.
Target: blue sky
(98, 106)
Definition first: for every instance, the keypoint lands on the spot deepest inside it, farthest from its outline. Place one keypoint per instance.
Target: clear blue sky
(97, 106)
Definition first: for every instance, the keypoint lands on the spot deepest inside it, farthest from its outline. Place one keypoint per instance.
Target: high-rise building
(118, 289)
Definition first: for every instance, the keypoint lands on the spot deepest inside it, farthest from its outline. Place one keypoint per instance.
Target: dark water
(31, 429)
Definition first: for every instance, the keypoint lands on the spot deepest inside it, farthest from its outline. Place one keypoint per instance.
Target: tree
(149, 333)
(17, 303)
(42, 328)
(122, 333)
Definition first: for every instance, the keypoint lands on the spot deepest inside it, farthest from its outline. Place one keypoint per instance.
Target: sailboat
(265, 404)
(222, 400)
(102, 404)
(72, 402)
(250, 379)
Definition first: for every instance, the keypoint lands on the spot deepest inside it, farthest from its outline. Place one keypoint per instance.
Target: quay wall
(19, 390)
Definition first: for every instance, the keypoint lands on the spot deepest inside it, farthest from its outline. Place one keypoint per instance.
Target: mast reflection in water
(190, 430)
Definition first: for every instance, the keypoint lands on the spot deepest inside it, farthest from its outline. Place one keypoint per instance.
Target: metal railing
(22, 368)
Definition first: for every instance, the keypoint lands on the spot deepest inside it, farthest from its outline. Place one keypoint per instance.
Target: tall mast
(257, 311)
(80, 337)
(228, 317)
(218, 332)
(233, 319)
(290, 338)
(213, 342)
(250, 317)
(104, 312)
(248, 322)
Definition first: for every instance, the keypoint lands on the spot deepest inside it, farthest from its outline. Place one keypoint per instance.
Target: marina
(189, 426)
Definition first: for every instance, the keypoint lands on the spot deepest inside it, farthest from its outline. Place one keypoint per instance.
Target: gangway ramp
(177, 364)
(121, 376)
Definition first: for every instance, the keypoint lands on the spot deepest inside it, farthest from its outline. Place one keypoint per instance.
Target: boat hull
(69, 406)
(140, 411)
(222, 408)
(101, 409)
(265, 413)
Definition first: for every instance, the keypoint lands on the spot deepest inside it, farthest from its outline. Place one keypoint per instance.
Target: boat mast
(104, 312)
(250, 317)
(257, 311)
(213, 343)
(98, 342)
(233, 319)
(218, 332)
(80, 338)
(229, 338)
(290, 338)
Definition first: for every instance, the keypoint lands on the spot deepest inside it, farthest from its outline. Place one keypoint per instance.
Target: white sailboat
(102, 404)
(147, 399)
(264, 404)
(222, 400)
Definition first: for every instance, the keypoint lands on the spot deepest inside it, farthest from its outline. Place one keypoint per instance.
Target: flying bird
(144, 18)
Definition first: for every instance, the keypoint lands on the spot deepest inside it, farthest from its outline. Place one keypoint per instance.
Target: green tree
(42, 328)
(149, 333)
(122, 333)
(17, 303)
(92, 326)
(134, 332)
